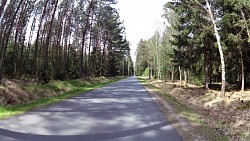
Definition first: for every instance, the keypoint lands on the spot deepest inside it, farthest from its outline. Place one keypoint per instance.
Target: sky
(141, 19)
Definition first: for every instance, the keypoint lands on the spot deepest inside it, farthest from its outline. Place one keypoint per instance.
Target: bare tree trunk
(15, 51)
(3, 3)
(185, 78)
(172, 75)
(35, 58)
(245, 22)
(223, 73)
(3, 8)
(180, 74)
(157, 59)
(206, 70)
(46, 54)
(159, 67)
(129, 74)
(210, 68)
(149, 72)
(5, 42)
(85, 29)
(242, 71)
(90, 65)
(217, 35)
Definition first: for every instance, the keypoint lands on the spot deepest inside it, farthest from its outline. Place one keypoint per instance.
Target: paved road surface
(122, 111)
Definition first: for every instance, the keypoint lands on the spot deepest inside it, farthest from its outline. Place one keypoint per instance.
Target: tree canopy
(62, 39)
(205, 42)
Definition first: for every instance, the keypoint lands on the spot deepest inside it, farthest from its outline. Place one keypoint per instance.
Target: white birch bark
(223, 73)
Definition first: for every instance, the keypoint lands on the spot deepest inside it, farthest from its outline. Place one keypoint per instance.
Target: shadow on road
(122, 111)
(89, 137)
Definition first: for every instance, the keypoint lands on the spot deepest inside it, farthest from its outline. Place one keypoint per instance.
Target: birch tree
(208, 8)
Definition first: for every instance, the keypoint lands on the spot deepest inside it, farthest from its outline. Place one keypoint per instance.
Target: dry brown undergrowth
(227, 113)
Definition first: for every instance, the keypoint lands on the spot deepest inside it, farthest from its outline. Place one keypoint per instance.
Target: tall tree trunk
(217, 35)
(129, 74)
(180, 75)
(157, 59)
(85, 29)
(3, 3)
(46, 52)
(15, 51)
(245, 22)
(206, 70)
(172, 75)
(210, 67)
(185, 78)
(21, 60)
(242, 71)
(149, 72)
(223, 73)
(35, 58)
(5, 42)
(3, 8)
(90, 65)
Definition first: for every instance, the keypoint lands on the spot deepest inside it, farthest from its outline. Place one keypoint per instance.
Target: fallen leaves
(227, 117)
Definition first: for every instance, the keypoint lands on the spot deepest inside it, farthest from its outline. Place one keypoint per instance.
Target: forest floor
(214, 117)
(18, 96)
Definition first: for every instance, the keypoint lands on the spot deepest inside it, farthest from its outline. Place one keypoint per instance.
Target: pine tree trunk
(85, 29)
(15, 51)
(3, 8)
(5, 42)
(46, 52)
(35, 58)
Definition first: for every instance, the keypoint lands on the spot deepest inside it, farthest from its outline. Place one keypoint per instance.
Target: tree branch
(201, 5)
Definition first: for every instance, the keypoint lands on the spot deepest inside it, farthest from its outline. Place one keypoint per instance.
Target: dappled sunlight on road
(119, 111)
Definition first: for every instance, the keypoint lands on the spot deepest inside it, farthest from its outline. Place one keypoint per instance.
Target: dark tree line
(206, 42)
(62, 39)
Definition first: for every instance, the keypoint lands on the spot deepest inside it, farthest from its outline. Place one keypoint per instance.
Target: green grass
(245, 106)
(191, 114)
(75, 87)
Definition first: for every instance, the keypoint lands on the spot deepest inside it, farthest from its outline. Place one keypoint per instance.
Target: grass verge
(193, 116)
(75, 87)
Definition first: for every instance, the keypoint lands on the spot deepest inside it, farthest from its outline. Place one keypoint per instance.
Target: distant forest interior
(46, 40)
(206, 43)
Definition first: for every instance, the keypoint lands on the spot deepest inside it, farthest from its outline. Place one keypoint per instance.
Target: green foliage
(66, 40)
(146, 72)
(245, 106)
(199, 81)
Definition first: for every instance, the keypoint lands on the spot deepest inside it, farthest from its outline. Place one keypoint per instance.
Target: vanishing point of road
(122, 111)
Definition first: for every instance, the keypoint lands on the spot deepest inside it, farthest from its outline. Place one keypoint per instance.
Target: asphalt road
(122, 111)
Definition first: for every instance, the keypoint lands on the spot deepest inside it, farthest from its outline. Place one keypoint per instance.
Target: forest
(46, 40)
(205, 43)
(200, 62)
(196, 71)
